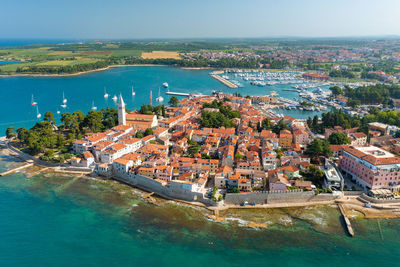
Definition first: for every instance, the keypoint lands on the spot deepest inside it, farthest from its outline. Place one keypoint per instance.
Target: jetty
(222, 80)
(17, 169)
(182, 94)
(346, 220)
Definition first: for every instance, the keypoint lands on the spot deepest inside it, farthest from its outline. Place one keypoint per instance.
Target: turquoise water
(81, 91)
(3, 62)
(62, 221)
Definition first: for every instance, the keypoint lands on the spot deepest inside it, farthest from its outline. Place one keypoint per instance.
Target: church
(135, 119)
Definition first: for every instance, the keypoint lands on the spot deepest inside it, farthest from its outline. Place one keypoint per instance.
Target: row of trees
(63, 69)
(152, 110)
(373, 94)
(46, 135)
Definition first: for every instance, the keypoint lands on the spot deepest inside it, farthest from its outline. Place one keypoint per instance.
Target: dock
(182, 94)
(346, 220)
(16, 169)
(224, 81)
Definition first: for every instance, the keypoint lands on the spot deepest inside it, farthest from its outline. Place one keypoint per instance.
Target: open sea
(56, 220)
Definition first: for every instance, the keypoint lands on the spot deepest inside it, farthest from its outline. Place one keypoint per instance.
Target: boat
(115, 98)
(165, 85)
(105, 93)
(133, 92)
(159, 98)
(33, 102)
(38, 115)
(64, 99)
(63, 106)
(58, 112)
(94, 108)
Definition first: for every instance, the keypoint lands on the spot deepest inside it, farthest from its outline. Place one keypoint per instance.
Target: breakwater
(222, 80)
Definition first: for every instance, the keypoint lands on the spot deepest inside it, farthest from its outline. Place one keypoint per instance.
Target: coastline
(350, 203)
(80, 73)
(117, 66)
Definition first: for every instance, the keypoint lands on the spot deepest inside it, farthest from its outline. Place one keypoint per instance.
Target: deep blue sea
(86, 90)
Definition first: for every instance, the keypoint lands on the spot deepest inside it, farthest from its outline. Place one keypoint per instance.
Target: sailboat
(94, 108)
(33, 102)
(64, 99)
(159, 98)
(38, 115)
(115, 98)
(133, 92)
(105, 93)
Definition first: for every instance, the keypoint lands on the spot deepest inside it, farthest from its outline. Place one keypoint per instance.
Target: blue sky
(197, 19)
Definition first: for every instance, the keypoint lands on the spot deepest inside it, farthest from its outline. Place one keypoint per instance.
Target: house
(285, 139)
(277, 181)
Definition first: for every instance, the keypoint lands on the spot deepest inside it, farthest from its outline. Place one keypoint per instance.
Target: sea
(84, 92)
(61, 220)
(56, 220)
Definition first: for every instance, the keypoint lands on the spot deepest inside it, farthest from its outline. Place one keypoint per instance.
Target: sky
(139, 19)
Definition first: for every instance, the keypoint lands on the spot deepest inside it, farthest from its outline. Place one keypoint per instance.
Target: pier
(182, 94)
(16, 169)
(224, 81)
(346, 220)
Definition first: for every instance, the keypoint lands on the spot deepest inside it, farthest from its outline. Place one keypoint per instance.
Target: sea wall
(278, 197)
(366, 198)
(165, 191)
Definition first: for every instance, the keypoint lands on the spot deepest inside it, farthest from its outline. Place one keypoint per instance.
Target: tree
(336, 90)
(48, 116)
(22, 134)
(193, 149)
(139, 134)
(173, 101)
(277, 128)
(148, 131)
(319, 148)
(10, 132)
(94, 120)
(338, 138)
(353, 103)
(313, 174)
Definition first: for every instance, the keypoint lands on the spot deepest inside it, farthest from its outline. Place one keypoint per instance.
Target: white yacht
(159, 98)
(94, 108)
(165, 85)
(64, 99)
(38, 115)
(33, 102)
(105, 93)
(133, 92)
(115, 98)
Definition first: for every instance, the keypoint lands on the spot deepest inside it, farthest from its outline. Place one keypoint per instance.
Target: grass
(67, 62)
(127, 53)
(160, 54)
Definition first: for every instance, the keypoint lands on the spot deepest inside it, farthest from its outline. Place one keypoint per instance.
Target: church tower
(121, 111)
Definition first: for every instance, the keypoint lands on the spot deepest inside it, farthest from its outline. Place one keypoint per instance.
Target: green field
(127, 53)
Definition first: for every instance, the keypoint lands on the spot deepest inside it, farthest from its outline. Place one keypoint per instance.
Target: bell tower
(121, 111)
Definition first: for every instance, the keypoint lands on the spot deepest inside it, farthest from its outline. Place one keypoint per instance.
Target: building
(121, 111)
(285, 139)
(371, 167)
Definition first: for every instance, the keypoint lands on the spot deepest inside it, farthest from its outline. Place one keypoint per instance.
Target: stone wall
(278, 197)
(165, 191)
